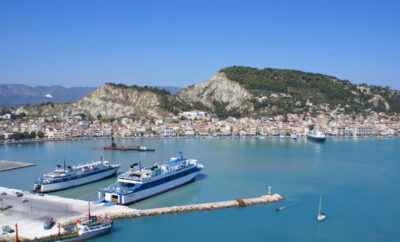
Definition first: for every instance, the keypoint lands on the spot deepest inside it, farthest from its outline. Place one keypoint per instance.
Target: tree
(32, 135)
(40, 134)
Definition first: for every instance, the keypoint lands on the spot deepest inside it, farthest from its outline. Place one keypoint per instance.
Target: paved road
(37, 206)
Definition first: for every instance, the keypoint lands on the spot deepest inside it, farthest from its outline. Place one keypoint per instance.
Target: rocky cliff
(109, 101)
(217, 91)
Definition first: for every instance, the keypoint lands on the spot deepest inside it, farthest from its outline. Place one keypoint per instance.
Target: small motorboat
(279, 209)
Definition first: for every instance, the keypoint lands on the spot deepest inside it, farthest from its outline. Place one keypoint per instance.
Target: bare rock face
(111, 101)
(377, 100)
(108, 101)
(219, 88)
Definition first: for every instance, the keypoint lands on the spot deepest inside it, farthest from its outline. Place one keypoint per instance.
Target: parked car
(50, 222)
(19, 194)
(7, 229)
(3, 193)
(24, 200)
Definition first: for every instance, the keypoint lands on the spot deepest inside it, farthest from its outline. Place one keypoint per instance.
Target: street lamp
(31, 200)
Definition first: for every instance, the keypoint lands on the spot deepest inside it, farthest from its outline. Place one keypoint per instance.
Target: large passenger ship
(71, 176)
(139, 183)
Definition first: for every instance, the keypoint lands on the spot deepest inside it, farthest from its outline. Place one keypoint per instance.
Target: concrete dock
(10, 165)
(31, 210)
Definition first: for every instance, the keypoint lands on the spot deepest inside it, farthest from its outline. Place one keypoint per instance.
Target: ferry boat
(139, 183)
(316, 135)
(71, 176)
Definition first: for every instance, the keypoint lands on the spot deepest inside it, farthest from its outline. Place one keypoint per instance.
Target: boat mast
(112, 137)
(89, 210)
(64, 164)
(320, 204)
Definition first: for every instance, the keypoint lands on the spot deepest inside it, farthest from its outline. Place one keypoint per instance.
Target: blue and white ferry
(71, 176)
(139, 183)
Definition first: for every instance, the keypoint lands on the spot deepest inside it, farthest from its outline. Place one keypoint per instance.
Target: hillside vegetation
(301, 87)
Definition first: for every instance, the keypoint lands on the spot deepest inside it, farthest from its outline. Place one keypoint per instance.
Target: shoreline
(191, 137)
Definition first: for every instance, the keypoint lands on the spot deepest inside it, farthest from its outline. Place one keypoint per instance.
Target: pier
(31, 210)
(271, 198)
(10, 165)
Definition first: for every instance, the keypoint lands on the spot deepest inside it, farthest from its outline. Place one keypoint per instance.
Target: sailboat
(321, 216)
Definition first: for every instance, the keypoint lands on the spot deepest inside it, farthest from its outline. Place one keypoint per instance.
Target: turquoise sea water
(359, 180)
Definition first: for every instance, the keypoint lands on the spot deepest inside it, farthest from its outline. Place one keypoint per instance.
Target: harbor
(299, 170)
(31, 214)
(11, 165)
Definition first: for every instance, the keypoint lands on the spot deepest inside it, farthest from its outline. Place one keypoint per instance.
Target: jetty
(30, 210)
(269, 198)
(10, 165)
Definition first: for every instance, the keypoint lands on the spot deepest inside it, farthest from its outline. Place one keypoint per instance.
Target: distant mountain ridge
(20, 94)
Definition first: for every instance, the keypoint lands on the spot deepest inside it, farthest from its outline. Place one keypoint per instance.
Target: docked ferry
(140, 182)
(316, 135)
(71, 176)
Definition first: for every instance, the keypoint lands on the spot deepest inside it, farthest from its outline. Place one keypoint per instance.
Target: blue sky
(178, 43)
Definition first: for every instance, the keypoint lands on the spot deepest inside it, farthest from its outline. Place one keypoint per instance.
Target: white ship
(71, 176)
(316, 135)
(140, 183)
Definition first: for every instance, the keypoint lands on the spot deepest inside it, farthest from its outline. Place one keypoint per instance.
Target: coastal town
(197, 124)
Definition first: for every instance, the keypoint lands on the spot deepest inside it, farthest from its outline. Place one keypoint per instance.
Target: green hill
(299, 87)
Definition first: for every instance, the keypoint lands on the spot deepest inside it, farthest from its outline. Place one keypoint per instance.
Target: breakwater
(10, 165)
(270, 198)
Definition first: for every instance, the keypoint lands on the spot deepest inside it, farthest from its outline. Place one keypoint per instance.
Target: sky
(179, 43)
